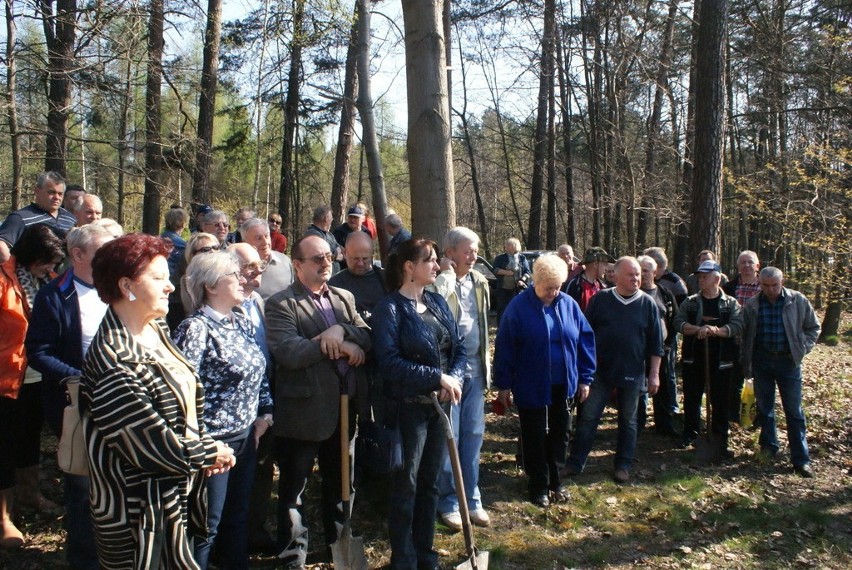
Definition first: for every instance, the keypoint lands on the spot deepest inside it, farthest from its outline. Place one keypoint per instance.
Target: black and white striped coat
(146, 487)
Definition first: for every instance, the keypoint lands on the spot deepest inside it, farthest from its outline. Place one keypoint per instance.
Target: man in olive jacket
(317, 339)
(780, 329)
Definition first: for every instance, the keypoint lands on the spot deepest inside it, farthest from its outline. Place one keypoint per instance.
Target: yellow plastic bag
(748, 405)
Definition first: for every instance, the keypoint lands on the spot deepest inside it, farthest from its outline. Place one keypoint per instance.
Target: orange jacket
(14, 319)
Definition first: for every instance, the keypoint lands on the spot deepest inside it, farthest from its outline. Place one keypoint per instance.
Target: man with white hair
(466, 292)
(278, 269)
(742, 287)
(566, 252)
(780, 329)
(708, 320)
(90, 209)
(66, 315)
(628, 341)
(216, 222)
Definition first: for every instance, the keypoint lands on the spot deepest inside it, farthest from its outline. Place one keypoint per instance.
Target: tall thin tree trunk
(346, 130)
(430, 155)
(207, 103)
(471, 156)
(706, 207)
(369, 136)
(154, 162)
(568, 158)
(59, 32)
(540, 144)
(258, 109)
(286, 192)
(11, 105)
(126, 100)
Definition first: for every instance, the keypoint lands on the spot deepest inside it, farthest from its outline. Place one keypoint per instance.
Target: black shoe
(688, 441)
(540, 501)
(805, 471)
(560, 495)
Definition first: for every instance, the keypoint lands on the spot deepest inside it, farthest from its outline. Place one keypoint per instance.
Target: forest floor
(674, 513)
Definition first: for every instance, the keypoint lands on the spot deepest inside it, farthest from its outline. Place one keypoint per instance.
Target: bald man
(362, 277)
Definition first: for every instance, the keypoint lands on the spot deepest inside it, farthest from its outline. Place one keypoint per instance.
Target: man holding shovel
(709, 321)
(317, 339)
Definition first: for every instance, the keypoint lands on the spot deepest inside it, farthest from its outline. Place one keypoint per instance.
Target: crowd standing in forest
(263, 354)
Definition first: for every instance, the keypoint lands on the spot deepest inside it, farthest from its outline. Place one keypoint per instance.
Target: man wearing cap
(780, 329)
(586, 284)
(354, 223)
(708, 321)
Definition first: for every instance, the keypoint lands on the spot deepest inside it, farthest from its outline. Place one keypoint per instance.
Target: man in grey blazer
(317, 340)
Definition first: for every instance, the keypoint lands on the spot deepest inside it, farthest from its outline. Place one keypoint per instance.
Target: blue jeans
(80, 544)
(770, 370)
(227, 509)
(468, 428)
(628, 400)
(414, 489)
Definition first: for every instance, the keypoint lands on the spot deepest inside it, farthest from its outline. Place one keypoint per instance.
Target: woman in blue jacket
(418, 351)
(545, 348)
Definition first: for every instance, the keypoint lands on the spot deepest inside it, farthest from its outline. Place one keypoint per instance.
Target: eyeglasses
(219, 224)
(255, 267)
(276, 222)
(318, 259)
(236, 275)
(205, 249)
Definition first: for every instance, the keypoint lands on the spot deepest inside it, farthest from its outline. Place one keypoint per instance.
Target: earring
(131, 297)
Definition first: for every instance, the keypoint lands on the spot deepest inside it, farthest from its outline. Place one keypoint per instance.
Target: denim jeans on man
(414, 492)
(769, 370)
(227, 509)
(469, 429)
(628, 400)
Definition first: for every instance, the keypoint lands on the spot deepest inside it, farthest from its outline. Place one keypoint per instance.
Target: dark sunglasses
(205, 249)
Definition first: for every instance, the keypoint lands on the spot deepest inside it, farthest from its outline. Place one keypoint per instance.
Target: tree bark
(286, 192)
(59, 33)
(429, 129)
(11, 106)
(568, 158)
(346, 130)
(154, 162)
(540, 143)
(369, 137)
(706, 207)
(207, 103)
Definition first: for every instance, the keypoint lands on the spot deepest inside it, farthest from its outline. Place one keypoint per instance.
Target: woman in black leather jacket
(418, 351)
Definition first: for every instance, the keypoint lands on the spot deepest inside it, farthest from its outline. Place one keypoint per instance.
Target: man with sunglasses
(318, 340)
(277, 267)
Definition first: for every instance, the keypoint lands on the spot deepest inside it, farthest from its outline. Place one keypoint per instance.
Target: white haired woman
(219, 340)
(513, 270)
(544, 354)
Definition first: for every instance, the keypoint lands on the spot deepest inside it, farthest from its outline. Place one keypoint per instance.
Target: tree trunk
(706, 207)
(649, 186)
(540, 143)
(207, 103)
(369, 137)
(286, 191)
(471, 156)
(565, 102)
(430, 156)
(59, 33)
(154, 162)
(837, 289)
(258, 124)
(346, 130)
(126, 99)
(11, 106)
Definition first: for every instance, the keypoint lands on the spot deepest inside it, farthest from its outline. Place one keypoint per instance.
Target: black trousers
(693, 391)
(544, 441)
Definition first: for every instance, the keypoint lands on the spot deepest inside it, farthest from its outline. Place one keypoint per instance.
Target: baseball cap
(708, 266)
(597, 254)
(355, 211)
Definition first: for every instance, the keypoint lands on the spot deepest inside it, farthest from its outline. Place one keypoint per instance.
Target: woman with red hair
(143, 417)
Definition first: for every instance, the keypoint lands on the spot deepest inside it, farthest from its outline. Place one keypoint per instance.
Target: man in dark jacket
(317, 339)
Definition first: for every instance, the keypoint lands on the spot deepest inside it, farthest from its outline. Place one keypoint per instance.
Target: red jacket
(14, 319)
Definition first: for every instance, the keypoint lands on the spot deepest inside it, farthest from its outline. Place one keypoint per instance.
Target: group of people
(205, 360)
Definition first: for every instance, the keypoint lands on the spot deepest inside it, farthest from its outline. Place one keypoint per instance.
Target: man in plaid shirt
(780, 329)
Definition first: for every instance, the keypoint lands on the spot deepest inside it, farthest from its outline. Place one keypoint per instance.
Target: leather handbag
(71, 452)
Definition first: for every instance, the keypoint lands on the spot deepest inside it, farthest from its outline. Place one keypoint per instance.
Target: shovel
(347, 551)
(476, 560)
(708, 448)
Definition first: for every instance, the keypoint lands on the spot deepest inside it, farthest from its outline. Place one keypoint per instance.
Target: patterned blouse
(232, 369)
